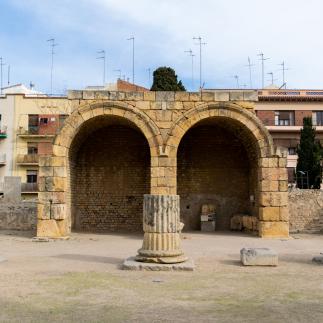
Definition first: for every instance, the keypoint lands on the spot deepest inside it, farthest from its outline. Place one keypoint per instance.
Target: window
(292, 151)
(33, 123)
(317, 118)
(43, 121)
(32, 148)
(284, 118)
(31, 176)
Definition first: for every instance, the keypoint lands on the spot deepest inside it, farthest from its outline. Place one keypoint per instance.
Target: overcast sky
(284, 30)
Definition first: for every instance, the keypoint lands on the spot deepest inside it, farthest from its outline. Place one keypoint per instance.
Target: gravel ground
(79, 280)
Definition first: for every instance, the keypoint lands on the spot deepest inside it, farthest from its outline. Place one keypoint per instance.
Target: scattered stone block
(318, 260)
(258, 257)
(132, 264)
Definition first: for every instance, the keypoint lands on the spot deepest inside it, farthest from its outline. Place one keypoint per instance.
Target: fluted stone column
(162, 229)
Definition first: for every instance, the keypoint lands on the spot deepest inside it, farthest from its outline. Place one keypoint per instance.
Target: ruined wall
(18, 215)
(110, 176)
(306, 210)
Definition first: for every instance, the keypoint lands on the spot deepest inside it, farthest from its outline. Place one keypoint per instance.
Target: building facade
(282, 112)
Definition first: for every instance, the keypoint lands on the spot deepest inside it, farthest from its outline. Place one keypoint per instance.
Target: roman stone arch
(54, 208)
(267, 179)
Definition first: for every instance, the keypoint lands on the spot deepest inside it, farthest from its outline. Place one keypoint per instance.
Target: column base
(162, 260)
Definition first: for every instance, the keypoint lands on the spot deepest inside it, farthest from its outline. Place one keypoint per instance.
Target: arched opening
(109, 167)
(217, 164)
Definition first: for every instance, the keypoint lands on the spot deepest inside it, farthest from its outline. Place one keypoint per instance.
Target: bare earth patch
(79, 280)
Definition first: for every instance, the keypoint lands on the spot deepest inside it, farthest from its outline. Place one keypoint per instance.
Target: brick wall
(52, 125)
(300, 115)
(267, 117)
(110, 175)
(212, 168)
(306, 210)
(45, 148)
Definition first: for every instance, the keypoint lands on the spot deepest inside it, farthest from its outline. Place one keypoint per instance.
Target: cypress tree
(309, 155)
(165, 79)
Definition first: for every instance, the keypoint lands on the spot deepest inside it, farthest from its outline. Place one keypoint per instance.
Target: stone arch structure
(164, 119)
(270, 204)
(54, 208)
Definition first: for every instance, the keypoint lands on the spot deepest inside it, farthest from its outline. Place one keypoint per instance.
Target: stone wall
(18, 215)
(306, 210)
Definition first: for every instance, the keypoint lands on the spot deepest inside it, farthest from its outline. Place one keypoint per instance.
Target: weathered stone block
(150, 96)
(258, 257)
(182, 96)
(55, 184)
(221, 96)
(165, 96)
(318, 260)
(269, 213)
(48, 228)
(273, 199)
(250, 95)
(207, 96)
(236, 96)
(273, 229)
(43, 211)
(58, 211)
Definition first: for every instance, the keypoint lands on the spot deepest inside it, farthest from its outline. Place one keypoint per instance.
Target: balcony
(3, 132)
(3, 159)
(29, 159)
(29, 188)
(32, 132)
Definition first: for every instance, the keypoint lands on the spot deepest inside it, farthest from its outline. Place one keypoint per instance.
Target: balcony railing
(29, 159)
(32, 131)
(3, 132)
(3, 159)
(29, 187)
(291, 94)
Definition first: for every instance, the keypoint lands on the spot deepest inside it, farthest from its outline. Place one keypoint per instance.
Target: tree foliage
(309, 155)
(165, 79)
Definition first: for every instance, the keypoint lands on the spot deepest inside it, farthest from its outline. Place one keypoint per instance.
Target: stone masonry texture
(117, 146)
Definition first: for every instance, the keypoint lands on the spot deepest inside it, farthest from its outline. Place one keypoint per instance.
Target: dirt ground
(80, 280)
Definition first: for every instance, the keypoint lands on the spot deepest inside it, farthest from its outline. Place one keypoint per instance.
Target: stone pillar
(162, 229)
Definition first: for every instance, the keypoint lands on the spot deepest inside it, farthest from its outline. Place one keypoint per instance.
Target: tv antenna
(250, 74)
(237, 81)
(8, 75)
(263, 59)
(133, 58)
(102, 57)
(283, 70)
(200, 43)
(190, 53)
(149, 75)
(1, 66)
(272, 77)
(52, 45)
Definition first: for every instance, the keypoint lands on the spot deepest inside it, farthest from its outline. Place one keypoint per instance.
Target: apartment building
(29, 121)
(282, 112)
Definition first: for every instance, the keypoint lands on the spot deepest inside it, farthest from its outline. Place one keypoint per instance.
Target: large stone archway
(55, 207)
(163, 120)
(267, 195)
